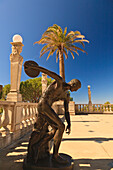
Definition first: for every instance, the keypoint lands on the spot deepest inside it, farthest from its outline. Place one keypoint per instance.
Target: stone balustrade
(16, 120)
(96, 108)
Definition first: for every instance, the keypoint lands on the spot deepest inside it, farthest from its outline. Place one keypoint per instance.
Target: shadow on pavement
(93, 164)
(11, 158)
(99, 140)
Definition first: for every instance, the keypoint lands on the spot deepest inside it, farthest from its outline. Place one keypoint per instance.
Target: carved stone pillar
(90, 102)
(15, 72)
(44, 81)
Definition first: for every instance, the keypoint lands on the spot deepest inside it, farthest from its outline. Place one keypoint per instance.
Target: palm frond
(44, 48)
(77, 48)
(65, 31)
(72, 54)
(51, 52)
(41, 54)
(50, 36)
(77, 32)
(65, 53)
(72, 33)
(50, 32)
(71, 49)
(57, 54)
(81, 40)
(49, 45)
(44, 40)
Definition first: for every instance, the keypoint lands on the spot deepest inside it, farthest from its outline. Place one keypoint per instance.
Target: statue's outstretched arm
(32, 69)
(51, 74)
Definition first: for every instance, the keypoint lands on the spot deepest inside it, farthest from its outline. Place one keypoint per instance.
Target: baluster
(35, 107)
(33, 114)
(5, 119)
(107, 108)
(100, 107)
(11, 118)
(94, 107)
(28, 118)
(80, 107)
(86, 108)
(110, 108)
(30, 114)
(25, 117)
(83, 107)
(76, 108)
(103, 108)
(22, 118)
(97, 108)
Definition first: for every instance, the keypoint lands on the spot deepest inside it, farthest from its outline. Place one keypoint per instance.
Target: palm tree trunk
(61, 65)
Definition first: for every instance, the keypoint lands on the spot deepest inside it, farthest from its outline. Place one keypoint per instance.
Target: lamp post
(16, 61)
(90, 102)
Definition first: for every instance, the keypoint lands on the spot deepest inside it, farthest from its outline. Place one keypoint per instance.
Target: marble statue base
(48, 164)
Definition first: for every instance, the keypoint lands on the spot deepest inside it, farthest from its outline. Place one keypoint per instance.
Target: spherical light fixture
(17, 38)
(88, 86)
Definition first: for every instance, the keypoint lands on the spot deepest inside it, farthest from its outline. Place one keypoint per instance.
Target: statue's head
(75, 84)
(16, 49)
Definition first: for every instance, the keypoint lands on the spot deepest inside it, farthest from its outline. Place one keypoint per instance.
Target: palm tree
(61, 42)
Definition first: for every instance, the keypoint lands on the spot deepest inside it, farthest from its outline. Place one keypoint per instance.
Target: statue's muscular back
(54, 92)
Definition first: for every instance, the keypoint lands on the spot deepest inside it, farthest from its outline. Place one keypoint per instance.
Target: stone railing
(16, 120)
(96, 108)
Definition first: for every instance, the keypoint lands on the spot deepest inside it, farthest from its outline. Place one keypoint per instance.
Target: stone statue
(90, 102)
(16, 67)
(89, 93)
(40, 137)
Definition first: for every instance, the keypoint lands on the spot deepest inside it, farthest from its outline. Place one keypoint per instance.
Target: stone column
(90, 102)
(44, 81)
(16, 61)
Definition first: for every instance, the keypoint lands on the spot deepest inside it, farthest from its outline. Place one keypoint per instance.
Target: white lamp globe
(88, 86)
(17, 38)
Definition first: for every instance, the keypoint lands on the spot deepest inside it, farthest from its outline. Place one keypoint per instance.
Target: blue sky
(93, 18)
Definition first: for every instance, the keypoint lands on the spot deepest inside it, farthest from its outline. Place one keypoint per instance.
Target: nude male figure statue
(56, 91)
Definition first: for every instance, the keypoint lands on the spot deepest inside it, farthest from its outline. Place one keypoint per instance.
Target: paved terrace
(90, 144)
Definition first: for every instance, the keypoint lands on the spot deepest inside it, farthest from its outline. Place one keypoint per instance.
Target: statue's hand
(68, 129)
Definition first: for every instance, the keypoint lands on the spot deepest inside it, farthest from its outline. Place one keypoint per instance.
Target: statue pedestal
(14, 96)
(48, 164)
(90, 107)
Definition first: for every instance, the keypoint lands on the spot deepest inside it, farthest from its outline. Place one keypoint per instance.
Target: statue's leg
(40, 137)
(56, 122)
(41, 128)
